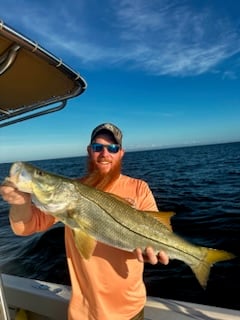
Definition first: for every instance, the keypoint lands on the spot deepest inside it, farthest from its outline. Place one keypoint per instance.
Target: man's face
(105, 161)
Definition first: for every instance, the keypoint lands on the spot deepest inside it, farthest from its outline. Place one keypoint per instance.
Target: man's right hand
(13, 196)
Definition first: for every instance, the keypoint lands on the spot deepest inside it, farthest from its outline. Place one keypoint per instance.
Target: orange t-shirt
(109, 285)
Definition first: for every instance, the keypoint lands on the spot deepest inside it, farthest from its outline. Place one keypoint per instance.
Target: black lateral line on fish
(140, 234)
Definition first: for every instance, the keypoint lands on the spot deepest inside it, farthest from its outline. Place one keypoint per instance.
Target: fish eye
(40, 173)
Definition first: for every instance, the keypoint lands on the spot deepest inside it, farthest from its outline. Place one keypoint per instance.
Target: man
(109, 285)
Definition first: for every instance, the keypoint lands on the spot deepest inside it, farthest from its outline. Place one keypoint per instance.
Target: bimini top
(33, 82)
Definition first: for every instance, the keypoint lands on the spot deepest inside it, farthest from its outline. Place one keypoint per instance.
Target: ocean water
(200, 184)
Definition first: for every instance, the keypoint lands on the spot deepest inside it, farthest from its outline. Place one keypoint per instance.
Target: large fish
(94, 215)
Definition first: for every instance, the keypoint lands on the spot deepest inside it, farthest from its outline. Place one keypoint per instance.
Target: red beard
(101, 181)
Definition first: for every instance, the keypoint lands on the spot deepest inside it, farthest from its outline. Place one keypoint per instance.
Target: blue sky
(166, 72)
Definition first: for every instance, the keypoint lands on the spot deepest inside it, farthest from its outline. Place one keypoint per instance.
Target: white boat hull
(41, 300)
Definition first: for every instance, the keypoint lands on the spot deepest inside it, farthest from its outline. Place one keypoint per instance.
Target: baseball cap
(108, 127)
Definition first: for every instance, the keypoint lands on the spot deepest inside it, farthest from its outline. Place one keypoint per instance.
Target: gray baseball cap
(108, 127)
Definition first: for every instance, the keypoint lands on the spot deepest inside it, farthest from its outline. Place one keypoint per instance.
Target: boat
(40, 300)
(24, 68)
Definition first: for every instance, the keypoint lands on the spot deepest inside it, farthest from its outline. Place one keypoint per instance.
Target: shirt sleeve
(39, 222)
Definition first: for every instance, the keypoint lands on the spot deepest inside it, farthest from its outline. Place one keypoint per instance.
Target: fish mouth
(15, 169)
(13, 176)
(20, 178)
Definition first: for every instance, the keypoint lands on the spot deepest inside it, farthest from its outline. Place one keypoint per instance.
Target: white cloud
(159, 36)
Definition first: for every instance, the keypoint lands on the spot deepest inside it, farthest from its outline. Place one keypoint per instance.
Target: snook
(95, 215)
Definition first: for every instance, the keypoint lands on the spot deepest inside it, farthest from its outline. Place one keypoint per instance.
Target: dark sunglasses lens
(113, 148)
(98, 147)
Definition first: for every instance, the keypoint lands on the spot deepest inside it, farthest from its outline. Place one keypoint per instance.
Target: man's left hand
(149, 256)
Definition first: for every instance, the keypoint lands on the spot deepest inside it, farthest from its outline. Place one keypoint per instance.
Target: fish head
(49, 192)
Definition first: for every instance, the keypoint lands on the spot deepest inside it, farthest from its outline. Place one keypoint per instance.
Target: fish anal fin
(163, 216)
(84, 243)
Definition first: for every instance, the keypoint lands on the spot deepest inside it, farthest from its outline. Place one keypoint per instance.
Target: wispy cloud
(176, 39)
(159, 37)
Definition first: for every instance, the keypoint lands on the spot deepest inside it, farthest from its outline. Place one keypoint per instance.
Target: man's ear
(122, 153)
(88, 150)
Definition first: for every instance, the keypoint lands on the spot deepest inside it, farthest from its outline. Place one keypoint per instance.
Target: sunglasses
(111, 148)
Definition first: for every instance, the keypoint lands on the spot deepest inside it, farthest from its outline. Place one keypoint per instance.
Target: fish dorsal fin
(163, 216)
(84, 243)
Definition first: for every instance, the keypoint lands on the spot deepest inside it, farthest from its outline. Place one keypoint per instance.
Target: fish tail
(210, 257)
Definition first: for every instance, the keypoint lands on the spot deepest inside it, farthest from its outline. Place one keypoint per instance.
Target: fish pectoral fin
(163, 216)
(84, 243)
